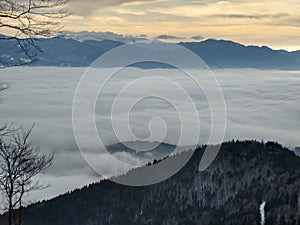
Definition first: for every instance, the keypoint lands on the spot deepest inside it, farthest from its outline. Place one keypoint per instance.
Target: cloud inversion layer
(45, 95)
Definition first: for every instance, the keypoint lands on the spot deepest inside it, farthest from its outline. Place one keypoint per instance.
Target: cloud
(198, 38)
(169, 37)
(142, 35)
(87, 7)
(250, 16)
(111, 2)
(100, 36)
(130, 12)
(44, 95)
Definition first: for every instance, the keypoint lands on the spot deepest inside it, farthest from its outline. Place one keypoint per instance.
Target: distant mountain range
(228, 54)
(65, 51)
(229, 192)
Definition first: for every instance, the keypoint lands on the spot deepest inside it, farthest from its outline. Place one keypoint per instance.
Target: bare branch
(30, 20)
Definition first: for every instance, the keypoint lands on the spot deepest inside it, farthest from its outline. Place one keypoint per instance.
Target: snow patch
(262, 213)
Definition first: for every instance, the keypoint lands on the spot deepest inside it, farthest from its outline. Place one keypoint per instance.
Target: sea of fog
(260, 104)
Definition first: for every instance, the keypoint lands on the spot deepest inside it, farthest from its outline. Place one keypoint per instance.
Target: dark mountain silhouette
(144, 151)
(230, 191)
(60, 51)
(134, 147)
(228, 54)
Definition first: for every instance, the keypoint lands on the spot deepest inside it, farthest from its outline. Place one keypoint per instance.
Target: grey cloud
(169, 37)
(249, 16)
(99, 36)
(142, 35)
(198, 38)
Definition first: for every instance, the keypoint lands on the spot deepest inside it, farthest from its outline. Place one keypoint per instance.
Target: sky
(275, 23)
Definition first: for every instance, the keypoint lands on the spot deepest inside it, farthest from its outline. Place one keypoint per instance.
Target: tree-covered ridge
(244, 174)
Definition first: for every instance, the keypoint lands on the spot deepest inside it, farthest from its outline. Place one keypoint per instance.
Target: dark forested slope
(230, 191)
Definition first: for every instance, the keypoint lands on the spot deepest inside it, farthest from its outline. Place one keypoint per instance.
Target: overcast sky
(274, 23)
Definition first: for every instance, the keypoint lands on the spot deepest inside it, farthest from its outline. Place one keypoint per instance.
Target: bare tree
(20, 162)
(26, 21)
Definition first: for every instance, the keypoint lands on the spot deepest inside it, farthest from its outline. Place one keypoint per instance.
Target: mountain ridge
(60, 51)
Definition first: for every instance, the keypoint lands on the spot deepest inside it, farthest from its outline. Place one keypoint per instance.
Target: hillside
(230, 191)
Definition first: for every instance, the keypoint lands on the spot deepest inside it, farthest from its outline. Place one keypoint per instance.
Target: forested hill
(230, 191)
